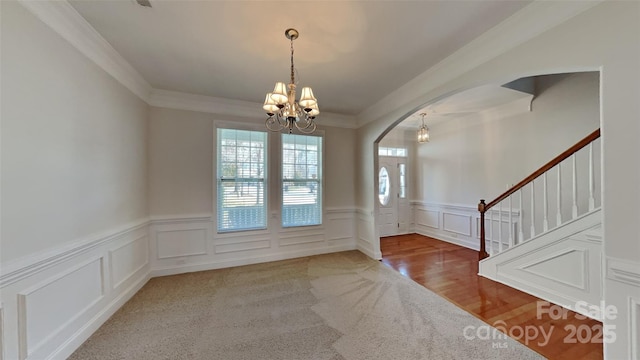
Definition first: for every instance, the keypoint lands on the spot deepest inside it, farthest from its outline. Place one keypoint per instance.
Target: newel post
(483, 251)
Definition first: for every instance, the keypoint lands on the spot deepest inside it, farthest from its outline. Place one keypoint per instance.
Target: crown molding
(522, 26)
(68, 23)
(221, 106)
(62, 18)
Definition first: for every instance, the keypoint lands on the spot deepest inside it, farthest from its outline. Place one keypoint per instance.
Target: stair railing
(518, 237)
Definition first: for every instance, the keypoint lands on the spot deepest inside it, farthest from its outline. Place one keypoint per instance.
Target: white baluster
(559, 210)
(574, 208)
(500, 228)
(491, 232)
(545, 206)
(510, 223)
(520, 228)
(592, 201)
(533, 210)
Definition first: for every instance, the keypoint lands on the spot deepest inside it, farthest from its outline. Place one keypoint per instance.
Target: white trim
(442, 236)
(173, 270)
(80, 336)
(340, 210)
(624, 271)
(202, 103)
(68, 23)
(160, 219)
(29, 265)
(23, 347)
(136, 270)
(215, 105)
(366, 248)
(2, 332)
(634, 328)
(534, 19)
(65, 20)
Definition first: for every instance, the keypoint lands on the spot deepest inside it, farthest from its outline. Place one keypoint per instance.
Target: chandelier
(281, 106)
(423, 131)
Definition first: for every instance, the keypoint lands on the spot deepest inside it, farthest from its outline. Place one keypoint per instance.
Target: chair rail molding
(53, 301)
(455, 223)
(186, 243)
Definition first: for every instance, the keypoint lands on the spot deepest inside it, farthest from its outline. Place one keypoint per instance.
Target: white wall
(477, 156)
(74, 203)
(73, 142)
(181, 159)
(605, 37)
(183, 235)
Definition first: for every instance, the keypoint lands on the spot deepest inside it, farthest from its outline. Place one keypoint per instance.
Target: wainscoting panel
(189, 243)
(179, 243)
(340, 225)
(242, 246)
(2, 332)
(127, 260)
(303, 235)
(456, 223)
(563, 266)
(428, 218)
(460, 224)
(451, 223)
(47, 308)
(622, 283)
(53, 302)
(367, 234)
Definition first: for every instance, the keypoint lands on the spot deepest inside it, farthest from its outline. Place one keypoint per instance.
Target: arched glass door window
(385, 186)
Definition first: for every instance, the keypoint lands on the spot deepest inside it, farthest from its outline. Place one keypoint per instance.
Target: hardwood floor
(451, 271)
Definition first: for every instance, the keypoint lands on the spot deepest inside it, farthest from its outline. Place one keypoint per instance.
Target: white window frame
(321, 182)
(267, 165)
(392, 151)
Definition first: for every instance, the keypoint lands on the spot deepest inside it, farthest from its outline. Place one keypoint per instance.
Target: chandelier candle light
(281, 106)
(423, 131)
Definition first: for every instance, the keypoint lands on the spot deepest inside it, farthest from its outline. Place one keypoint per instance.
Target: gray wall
(73, 142)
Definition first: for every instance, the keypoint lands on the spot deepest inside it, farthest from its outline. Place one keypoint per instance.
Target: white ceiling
(352, 53)
(465, 103)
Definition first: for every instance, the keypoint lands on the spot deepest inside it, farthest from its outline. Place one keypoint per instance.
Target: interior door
(392, 196)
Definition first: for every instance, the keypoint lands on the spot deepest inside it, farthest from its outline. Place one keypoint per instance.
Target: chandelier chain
(292, 68)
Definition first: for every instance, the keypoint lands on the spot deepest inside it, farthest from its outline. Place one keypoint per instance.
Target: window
(301, 180)
(241, 168)
(389, 151)
(385, 186)
(403, 181)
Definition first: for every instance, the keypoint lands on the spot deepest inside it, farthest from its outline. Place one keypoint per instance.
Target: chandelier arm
(307, 130)
(273, 124)
(306, 123)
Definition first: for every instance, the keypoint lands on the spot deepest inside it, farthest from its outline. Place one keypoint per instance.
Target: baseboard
(74, 342)
(447, 238)
(367, 249)
(454, 223)
(110, 268)
(212, 265)
(188, 244)
(52, 304)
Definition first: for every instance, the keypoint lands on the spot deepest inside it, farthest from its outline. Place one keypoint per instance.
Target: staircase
(552, 254)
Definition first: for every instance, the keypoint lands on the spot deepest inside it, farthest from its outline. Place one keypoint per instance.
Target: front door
(392, 195)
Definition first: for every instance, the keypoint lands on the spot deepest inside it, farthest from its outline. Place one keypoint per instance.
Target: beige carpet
(336, 306)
